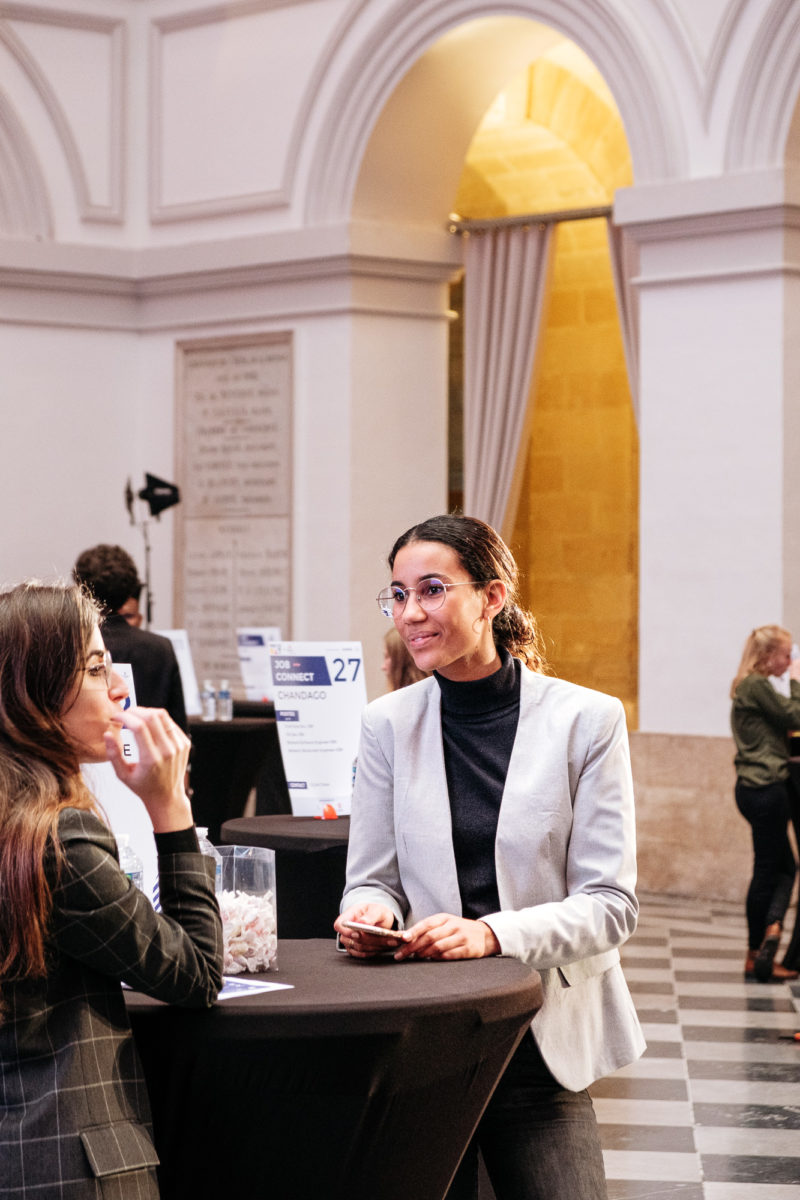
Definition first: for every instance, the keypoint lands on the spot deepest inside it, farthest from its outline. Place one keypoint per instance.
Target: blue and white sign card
(252, 642)
(130, 750)
(319, 694)
(183, 653)
(123, 810)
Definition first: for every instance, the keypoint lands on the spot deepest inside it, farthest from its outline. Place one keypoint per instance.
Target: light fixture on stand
(158, 495)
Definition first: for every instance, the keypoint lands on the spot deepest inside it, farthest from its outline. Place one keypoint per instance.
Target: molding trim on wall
(137, 291)
(683, 42)
(747, 200)
(229, 204)
(24, 202)
(705, 68)
(708, 276)
(768, 91)
(203, 14)
(681, 226)
(90, 210)
(718, 53)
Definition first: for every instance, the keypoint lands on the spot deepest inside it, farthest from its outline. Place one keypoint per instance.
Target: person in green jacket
(761, 718)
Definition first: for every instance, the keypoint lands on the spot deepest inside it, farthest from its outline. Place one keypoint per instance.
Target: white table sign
(319, 694)
(123, 809)
(252, 642)
(130, 750)
(125, 813)
(191, 692)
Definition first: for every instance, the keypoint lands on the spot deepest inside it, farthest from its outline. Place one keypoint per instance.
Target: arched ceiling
(553, 139)
(415, 154)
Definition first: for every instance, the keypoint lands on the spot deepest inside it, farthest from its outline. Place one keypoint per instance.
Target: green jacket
(760, 720)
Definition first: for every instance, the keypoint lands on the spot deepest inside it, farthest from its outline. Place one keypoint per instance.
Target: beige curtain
(505, 285)
(625, 267)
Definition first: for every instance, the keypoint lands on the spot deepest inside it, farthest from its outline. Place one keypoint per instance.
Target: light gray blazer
(565, 854)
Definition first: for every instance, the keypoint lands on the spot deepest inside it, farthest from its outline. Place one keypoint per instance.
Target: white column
(720, 437)
(371, 440)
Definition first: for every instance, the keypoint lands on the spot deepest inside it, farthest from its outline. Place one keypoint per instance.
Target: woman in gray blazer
(74, 1114)
(493, 814)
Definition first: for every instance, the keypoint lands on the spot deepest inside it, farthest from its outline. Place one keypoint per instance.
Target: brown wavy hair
(484, 555)
(45, 631)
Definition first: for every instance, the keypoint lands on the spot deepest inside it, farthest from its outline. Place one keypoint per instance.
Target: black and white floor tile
(712, 1110)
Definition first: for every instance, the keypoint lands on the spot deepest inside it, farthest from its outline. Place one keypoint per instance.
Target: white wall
(70, 405)
(716, 417)
(169, 169)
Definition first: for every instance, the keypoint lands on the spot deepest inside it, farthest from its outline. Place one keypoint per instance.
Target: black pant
(539, 1141)
(791, 957)
(767, 811)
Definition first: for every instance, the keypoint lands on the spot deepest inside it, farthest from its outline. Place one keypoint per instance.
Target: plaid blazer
(74, 1111)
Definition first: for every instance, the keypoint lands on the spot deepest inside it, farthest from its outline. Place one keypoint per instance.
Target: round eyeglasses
(431, 594)
(101, 668)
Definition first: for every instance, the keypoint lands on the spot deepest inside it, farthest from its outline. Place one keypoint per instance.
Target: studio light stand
(157, 495)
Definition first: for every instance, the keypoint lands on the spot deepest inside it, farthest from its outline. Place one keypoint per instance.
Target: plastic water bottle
(212, 852)
(208, 701)
(224, 702)
(129, 861)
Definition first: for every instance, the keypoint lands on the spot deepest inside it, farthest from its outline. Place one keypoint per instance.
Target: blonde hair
(402, 668)
(758, 649)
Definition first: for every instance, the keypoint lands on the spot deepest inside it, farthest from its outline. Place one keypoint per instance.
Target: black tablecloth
(363, 1082)
(310, 861)
(228, 759)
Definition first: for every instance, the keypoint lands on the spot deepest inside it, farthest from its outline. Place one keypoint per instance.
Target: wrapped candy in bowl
(247, 904)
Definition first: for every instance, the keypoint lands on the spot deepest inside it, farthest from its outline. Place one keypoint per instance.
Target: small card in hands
(376, 930)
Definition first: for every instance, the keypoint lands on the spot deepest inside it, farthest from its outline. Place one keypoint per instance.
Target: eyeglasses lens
(430, 595)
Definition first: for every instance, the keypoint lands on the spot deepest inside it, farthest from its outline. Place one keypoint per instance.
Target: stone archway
(553, 141)
(377, 100)
(409, 175)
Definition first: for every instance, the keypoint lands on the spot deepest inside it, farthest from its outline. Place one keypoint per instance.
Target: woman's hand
(365, 945)
(158, 777)
(444, 936)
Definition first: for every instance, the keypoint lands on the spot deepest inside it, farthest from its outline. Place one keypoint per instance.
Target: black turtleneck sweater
(479, 724)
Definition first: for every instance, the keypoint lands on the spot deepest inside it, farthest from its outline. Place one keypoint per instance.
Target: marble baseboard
(692, 841)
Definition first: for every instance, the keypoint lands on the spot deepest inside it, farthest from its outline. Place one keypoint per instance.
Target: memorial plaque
(233, 447)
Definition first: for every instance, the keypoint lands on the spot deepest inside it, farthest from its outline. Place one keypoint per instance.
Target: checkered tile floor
(712, 1110)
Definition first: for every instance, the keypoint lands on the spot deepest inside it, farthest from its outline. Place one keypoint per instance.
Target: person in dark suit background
(74, 1113)
(109, 573)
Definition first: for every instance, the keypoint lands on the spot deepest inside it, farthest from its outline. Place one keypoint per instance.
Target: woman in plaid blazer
(74, 1114)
